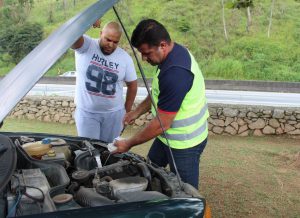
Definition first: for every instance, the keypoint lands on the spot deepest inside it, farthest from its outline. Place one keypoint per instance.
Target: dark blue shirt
(175, 79)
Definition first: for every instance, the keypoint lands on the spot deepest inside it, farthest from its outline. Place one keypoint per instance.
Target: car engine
(55, 173)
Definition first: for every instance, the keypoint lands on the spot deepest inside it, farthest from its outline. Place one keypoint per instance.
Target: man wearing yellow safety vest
(178, 92)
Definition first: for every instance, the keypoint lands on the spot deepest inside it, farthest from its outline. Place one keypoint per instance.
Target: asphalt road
(277, 99)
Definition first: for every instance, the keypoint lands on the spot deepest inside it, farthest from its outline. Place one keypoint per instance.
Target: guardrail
(264, 86)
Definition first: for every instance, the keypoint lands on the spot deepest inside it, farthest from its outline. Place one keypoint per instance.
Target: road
(213, 96)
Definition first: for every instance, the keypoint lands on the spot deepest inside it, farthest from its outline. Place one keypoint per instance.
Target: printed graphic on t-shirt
(103, 76)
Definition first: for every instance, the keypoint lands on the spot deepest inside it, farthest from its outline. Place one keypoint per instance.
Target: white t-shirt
(99, 79)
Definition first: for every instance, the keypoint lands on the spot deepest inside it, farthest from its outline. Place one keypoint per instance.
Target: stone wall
(250, 120)
(48, 109)
(224, 119)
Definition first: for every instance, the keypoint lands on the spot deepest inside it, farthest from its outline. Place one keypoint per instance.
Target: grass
(252, 177)
(23, 125)
(240, 176)
(198, 26)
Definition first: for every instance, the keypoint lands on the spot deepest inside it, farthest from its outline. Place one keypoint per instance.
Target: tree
(270, 19)
(16, 11)
(65, 6)
(224, 22)
(245, 5)
(18, 40)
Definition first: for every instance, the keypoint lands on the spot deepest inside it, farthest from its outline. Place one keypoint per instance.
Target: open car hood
(8, 161)
(15, 85)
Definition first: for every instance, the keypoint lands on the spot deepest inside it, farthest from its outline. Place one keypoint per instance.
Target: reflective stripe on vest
(183, 137)
(190, 120)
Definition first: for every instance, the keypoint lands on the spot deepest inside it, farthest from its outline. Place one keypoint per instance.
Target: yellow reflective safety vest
(189, 127)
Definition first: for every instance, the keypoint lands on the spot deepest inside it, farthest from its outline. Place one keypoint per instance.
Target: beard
(152, 63)
(107, 51)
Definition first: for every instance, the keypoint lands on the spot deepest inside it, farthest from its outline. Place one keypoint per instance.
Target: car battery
(28, 189)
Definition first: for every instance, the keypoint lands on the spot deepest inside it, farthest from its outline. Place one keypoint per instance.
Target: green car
(84, 180)
(44, 175)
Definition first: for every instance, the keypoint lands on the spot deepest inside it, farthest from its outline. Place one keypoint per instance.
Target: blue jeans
(187, 160)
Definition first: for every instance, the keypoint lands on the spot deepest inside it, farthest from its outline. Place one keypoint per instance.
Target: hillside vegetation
(256, 50)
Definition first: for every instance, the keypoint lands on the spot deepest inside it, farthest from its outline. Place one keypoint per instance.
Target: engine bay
(65, 173)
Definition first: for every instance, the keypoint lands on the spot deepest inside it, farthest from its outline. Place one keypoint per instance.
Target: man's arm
(152, 130)
(130, 94)
(170, 99)
(145, 106)
(80, 41)
(140, 109)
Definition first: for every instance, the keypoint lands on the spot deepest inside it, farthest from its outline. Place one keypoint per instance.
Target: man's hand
(80, 41)
(130, 117)
(122, 146)
(97, 24)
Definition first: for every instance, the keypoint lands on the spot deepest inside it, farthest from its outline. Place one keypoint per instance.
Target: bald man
(101, 68)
